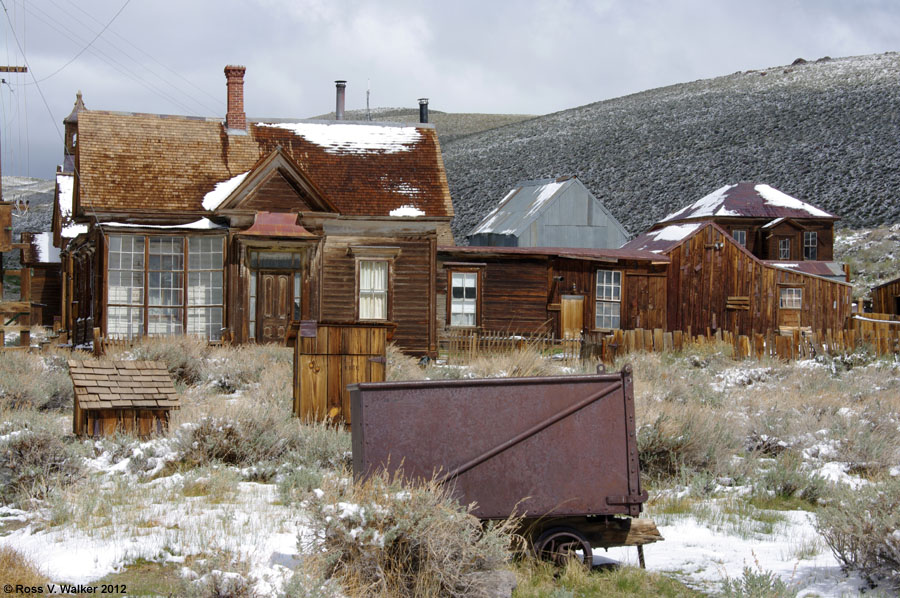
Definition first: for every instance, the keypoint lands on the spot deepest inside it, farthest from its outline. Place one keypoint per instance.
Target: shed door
(790, 303)
(274, 306)
(572, 315)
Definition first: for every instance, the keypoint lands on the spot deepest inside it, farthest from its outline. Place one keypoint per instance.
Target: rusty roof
(747, 200)
(814, 267)
(122, 385)
(568, 252)
(661, 240)
(150, 163)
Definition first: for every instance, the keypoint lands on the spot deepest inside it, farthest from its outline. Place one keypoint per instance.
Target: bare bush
(34, 382)
(33, 462)
(19, 570)
(860, 526)
(385, 537)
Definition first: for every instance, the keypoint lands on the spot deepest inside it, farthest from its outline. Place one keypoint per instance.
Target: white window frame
(463, 306)
(740, 235)
(373, 291)
(790, 298)
(810, 245)
(608, 300)
(784, 249)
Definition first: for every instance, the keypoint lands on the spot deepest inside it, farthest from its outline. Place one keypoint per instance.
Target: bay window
(164, 284)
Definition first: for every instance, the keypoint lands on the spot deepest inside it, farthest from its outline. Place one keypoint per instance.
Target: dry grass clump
(34, 382)
(239, 368)
(401, 366)
(19, 570)
(184, 356)
(861, 528)
(389, 538)
(520, 363)
(33, 462)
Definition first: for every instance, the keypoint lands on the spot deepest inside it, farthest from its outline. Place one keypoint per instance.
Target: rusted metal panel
(556, 446)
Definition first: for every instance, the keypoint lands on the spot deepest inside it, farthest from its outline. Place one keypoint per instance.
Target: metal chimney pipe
(340, 86)
(423, 110)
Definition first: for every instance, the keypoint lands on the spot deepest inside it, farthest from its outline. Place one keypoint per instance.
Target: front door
(275, 306)
(572, 316)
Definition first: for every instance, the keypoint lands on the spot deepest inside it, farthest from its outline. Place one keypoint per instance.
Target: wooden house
(769, 223)
(713, 281)
(133, 397)
(237, 227)
(42, 257)
(886, 297)
(562, 291)
(558, 212)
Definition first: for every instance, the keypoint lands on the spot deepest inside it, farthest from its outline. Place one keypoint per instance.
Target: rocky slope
(827, 132)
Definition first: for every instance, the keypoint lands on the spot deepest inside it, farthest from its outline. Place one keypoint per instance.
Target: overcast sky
(530, 57)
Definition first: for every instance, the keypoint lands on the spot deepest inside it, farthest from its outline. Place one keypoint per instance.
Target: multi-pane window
(126, 286)
(791, 298)
(373, 289)
(810, 245)
(148, 278)
(165, 286)
(608, 299)
(740, 236)
(463, 298)
(205, 287)
(784, 249)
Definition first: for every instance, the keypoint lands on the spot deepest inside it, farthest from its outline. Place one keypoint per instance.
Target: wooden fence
(465, 345)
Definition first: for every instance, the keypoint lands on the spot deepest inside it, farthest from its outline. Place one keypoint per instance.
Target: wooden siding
(886, 298)
(410, 287)
(276, 194)
(709, 268)
(46, 290)
(523, 295)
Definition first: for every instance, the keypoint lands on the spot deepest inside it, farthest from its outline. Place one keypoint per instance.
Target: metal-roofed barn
(559, 212)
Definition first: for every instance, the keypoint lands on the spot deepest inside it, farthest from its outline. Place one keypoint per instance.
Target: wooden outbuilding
(715, 282)
(133, 397)
(886, 297)
(236, 228)
(564, 292)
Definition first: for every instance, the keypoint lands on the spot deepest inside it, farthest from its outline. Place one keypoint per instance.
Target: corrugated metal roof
(748, 200)
(663, 239)
(816, 268)
(570, 252)
(521, 206)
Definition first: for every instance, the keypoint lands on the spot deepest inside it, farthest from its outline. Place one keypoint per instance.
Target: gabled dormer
(274, 184)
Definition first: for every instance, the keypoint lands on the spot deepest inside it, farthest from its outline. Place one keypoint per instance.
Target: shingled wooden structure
(564, 292)
(236, 228)
(125, 396)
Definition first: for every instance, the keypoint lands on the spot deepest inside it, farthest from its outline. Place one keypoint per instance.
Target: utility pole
(8, 69)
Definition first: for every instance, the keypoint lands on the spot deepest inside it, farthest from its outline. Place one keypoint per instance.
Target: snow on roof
(774, 197)
(202, 224)
(520, 206)
(345, 138)
(706, 206)
(408, 211)
(773, 223)
(662, 239)
(46, 252)
(221, 191)
(748, 200)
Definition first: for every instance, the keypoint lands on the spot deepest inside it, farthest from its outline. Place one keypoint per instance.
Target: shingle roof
(167, 164)
(122, 385)
(750, 200)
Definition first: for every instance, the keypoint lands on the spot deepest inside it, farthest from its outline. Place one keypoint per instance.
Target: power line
(84, 49)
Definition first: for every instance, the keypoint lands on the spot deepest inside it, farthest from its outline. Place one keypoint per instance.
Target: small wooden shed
(126, 396)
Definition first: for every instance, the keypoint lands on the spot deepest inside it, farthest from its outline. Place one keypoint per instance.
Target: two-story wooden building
(234, 227)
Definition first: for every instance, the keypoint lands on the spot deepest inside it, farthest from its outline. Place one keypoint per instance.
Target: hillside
(449, 125)
(825, 131)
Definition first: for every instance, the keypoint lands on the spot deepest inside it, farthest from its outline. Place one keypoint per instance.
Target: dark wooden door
(274, 306)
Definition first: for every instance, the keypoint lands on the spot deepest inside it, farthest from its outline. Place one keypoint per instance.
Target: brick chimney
(235, 118)
(340, 86)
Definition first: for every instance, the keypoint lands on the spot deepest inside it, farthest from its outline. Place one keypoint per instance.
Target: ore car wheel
(558, 545)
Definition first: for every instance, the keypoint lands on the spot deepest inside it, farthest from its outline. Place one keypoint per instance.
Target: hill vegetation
(824, 131)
